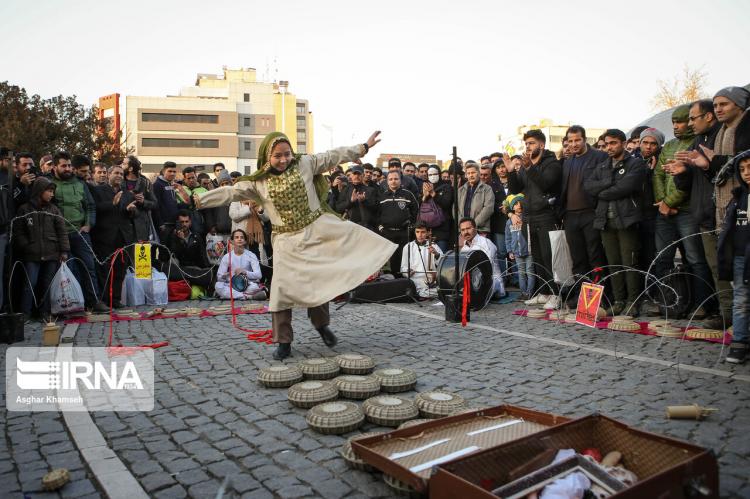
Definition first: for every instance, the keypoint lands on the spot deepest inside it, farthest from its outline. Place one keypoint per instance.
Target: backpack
(431, 214)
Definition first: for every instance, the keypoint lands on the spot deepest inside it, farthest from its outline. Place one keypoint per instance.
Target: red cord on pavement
(257, 335)
(466, 299)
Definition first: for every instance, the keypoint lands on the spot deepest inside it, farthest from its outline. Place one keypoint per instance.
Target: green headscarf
(264, 164)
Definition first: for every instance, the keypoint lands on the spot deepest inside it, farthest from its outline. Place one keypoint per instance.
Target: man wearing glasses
(698, 182)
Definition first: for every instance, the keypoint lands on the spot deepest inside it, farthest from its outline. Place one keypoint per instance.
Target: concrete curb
(113, 477)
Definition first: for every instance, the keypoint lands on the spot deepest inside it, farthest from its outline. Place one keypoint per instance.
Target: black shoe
(717, 322)
(328, 337)
(737, 353)
(283, 351)
(100, 307)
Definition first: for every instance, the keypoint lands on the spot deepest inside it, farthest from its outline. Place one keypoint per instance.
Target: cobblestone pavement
(212, 419)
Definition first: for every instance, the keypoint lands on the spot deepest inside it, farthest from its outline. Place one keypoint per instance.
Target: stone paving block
(209, 488)
(141, 468)
(191, 477)
(78, 489)
(173, 492)
(332, 489)
(155, 481)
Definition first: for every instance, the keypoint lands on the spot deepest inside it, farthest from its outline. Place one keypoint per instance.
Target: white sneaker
(537, 299)
(553, 303)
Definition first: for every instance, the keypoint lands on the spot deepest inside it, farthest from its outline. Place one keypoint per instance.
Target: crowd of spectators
(627, 205)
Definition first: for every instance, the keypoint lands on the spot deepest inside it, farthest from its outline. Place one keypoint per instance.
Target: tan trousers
(282, 322)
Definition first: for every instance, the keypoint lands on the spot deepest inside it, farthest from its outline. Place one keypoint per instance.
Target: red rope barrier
(466, 298)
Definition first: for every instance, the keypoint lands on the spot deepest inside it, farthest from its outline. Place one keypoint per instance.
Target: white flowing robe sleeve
(324, 161)
(241, 191)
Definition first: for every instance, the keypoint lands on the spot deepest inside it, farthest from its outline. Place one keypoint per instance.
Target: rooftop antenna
(275, 70)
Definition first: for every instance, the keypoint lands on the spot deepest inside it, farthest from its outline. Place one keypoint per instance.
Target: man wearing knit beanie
(674, 220)
(656, 134)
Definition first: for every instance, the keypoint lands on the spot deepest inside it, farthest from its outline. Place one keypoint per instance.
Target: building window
(193, 143)
(301, 135)
(247, 121)
(180, 118)
(246, 97)
(302, 148)
(248, 145)
(300, 109)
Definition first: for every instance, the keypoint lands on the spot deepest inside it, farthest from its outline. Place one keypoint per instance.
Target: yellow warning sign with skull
(143, 261)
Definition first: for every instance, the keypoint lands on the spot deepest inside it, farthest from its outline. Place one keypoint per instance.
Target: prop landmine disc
(412, 422)
(98, 318)
(389, 410)
(351, 458)
(55, 479)
(536, 313)
(624, 326)
(396, 379)
(320, 368)
(357, 387)
(570, 318)
(705, 334)
(280, 376)
(335, 418)
(659, 323)
(667, 331)
(622, 317)
(311, 393)
(436, 404)
(354, 363)
(400, 487)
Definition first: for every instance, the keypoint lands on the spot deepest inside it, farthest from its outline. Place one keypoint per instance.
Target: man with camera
(189, 250)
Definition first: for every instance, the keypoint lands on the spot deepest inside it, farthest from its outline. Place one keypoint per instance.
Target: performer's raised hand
(373, 139)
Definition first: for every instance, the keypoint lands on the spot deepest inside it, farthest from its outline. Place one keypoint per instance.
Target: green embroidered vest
(289, 196)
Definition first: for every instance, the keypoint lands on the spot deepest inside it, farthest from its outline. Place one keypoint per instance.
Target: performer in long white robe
(476, 242)
(317, 256)
(243, 262)
(419, 261)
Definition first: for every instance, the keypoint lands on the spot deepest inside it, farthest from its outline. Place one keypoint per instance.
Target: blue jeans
(669, 230)
(526, 279)
(740, 303)
(3, 245)
(40, 275)
(84, 269)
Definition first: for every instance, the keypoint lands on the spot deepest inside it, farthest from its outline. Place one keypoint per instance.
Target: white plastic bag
(157, 289)
(133, 292)
(216, 246)
(66, 295)
(562, 263)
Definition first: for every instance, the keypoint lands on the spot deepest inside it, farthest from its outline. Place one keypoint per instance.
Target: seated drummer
(472, 241)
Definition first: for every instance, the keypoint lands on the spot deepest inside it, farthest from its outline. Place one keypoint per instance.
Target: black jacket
(190, 251)
(112, 221)
(142, 218)
(731, 231)
(498, 218)
(39, 232)
(407, 182)
(540, 184)
(698, 183)
(360, 212)
(397, 210)
(620, 185)
(444, 199)
(218, 218)
(590, 160)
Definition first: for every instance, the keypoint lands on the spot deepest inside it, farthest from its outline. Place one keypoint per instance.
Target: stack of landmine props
(319, 384)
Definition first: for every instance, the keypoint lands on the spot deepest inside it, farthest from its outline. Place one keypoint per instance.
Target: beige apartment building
(222, 118)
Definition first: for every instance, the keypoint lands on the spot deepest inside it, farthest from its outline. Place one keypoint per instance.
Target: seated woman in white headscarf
(243, 280)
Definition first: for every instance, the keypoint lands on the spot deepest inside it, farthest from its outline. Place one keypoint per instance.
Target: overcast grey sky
(430, 74)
